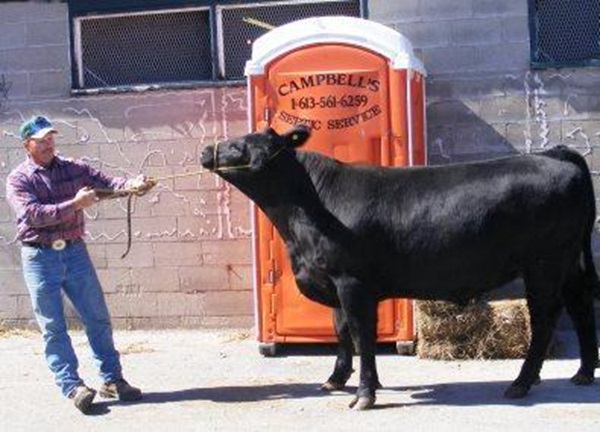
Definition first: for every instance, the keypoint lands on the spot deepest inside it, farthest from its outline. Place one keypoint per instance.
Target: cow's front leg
(343, 363)
(360, 308)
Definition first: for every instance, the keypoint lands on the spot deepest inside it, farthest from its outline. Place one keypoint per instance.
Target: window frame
(534, 46)
(77, 42)
(81, 10)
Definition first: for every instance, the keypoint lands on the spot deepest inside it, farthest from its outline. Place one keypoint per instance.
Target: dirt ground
(217, 381)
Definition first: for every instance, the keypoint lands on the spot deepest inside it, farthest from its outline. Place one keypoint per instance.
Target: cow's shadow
(459, 394)
(474, 393)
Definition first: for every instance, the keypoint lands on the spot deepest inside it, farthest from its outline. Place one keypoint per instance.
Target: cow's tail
(590, 276)
(591, 281)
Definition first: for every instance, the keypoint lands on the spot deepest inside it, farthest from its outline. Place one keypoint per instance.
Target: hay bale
(479, 330)
(511, 332)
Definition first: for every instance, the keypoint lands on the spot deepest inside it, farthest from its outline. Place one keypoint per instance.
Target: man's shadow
(225, 394)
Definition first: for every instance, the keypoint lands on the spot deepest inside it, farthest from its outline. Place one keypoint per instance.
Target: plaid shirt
(42, 198)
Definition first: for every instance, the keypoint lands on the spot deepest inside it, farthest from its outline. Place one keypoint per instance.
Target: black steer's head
(251, 153)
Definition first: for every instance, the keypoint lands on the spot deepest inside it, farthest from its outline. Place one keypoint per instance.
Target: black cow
(357, 235)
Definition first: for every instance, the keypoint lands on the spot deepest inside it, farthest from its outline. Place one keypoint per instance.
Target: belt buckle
(59, 244)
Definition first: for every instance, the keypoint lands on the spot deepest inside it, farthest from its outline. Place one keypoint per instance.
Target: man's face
(41, 150)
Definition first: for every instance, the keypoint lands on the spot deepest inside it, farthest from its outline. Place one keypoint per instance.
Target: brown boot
(121, 390)
(83, 397)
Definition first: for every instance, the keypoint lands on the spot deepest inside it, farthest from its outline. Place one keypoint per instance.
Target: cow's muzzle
(207, 158)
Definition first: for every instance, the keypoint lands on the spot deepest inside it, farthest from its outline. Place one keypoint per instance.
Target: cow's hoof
(335, 382)
(361, 403)
(582, 379)
(330, 386)
(516, 392)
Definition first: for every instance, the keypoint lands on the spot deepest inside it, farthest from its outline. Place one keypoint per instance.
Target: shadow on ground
(551, 391)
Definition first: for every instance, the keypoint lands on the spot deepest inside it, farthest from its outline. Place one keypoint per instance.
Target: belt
(57, 245)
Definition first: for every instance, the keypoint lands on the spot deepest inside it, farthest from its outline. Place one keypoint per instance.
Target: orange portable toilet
(362, 91)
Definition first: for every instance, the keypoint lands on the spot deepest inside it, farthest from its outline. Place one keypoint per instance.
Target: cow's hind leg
(360, 308)
(578, 295)
(343, 363)
(545, 303)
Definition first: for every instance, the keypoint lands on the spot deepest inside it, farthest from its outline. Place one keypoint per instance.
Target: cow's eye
(237, 150)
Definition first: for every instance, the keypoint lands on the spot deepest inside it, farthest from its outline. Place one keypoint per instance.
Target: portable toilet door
(360, 88)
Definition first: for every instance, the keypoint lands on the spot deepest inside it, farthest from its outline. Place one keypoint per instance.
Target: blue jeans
(47, 274)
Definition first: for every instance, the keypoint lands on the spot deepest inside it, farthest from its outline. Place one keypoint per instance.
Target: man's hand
(85, 197)
(141, 184)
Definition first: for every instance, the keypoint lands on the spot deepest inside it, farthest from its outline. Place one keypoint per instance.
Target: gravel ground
(217, 381)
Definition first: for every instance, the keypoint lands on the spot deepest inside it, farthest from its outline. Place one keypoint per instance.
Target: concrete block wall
(483, 99)
(190, 263)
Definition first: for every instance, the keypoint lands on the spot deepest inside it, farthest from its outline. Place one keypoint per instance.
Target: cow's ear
(269, 131)
(296, 137)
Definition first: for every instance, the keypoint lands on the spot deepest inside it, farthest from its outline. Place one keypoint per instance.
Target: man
(48, 194)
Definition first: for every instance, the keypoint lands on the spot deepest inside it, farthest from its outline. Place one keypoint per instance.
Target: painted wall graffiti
(178, 228)
(150, 139)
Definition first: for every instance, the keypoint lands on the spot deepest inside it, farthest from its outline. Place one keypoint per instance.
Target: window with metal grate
(208, 42)
(564, 33)
(144, 48)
